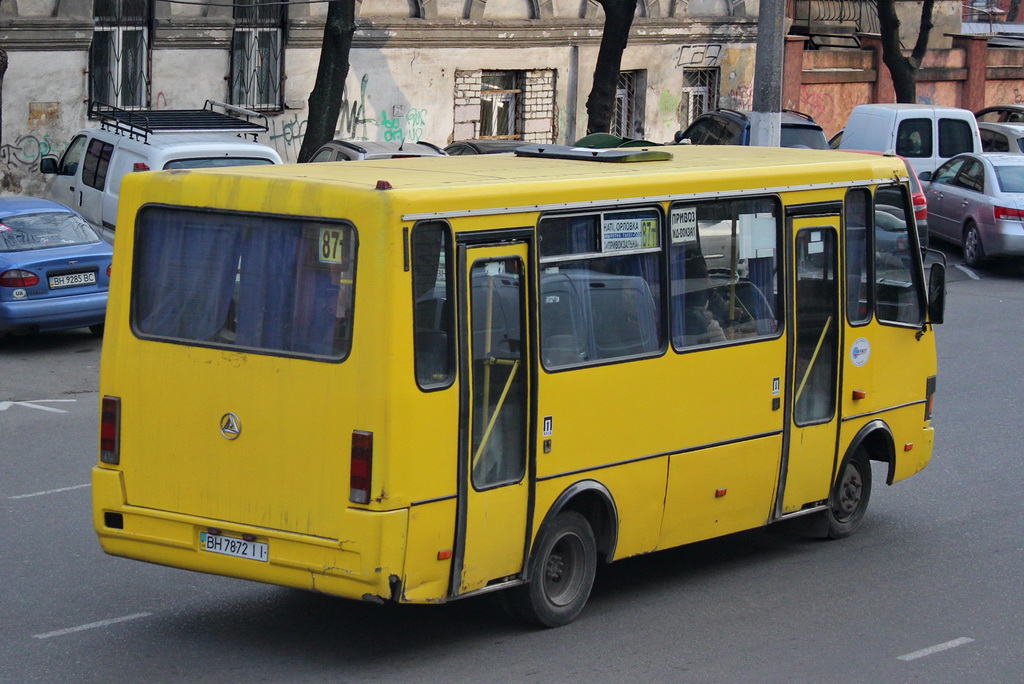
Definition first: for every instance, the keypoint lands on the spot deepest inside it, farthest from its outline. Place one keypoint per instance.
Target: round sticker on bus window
(860, 352)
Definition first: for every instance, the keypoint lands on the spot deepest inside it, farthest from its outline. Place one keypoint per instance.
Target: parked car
(347, 150)
(485, 146)
(917, 197)
(88, 175)
(977, 201)
(54, 268)
(1005, 113)
(732, 127)
(926, 135)
(1001, 137)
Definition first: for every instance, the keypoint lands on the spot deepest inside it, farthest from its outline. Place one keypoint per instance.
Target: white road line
(968, 271)
(91, 625)
(49, 491)
(34, 404)
(935, 649)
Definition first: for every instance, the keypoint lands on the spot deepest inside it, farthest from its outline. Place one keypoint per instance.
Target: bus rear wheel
(562, 570)
(850, 498)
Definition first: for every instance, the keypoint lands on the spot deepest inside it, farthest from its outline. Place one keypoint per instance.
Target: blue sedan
(54, 269)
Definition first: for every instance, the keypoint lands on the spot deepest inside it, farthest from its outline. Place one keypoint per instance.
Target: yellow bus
(423, 379)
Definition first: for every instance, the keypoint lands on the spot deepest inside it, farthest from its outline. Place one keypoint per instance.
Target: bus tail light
(929, 403)
(110, 430)
(361, 468)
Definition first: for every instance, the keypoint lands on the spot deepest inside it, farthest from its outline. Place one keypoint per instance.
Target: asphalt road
(930, 590)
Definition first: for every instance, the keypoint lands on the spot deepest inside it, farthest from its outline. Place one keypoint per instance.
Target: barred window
(700, 93)
(256, 55)
(628, 120)
(118, 56)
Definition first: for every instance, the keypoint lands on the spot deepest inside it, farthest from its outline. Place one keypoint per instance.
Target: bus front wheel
(562, 570)
(850, 499)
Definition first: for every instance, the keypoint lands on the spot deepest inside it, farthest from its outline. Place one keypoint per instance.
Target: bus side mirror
(48, 165)
(936, 293)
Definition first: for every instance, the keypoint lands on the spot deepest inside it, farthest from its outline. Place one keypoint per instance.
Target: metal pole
(766, 119)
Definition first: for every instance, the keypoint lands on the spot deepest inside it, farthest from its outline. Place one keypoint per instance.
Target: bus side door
(495, 418)
(815, 328)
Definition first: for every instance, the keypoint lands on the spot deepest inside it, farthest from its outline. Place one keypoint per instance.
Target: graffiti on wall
(26, 151)
(926, 94)
(740, 97)
(286, 134)
(702, 55)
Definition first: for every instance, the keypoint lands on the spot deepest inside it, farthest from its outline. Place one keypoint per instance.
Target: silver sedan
(977, 201)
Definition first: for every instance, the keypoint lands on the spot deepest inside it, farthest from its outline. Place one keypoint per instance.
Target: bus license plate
(72, 280)
(230, 546)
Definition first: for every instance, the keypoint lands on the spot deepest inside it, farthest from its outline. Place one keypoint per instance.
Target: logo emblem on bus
(230, 426)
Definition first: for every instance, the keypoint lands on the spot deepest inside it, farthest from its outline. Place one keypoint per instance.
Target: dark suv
(732, 127)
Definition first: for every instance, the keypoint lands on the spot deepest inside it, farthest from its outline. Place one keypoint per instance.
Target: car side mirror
(924, 176)
(678, 137)
(937, 293)
(48, 165)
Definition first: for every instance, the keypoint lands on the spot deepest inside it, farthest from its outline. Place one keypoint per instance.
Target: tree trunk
(903, 69)
(618, 18)
(3, 70)
(329, 89)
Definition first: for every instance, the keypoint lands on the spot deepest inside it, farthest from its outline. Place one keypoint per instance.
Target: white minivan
(926, 135)
(87, 177)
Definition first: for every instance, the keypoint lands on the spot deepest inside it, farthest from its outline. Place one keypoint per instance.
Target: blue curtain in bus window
(761, 272)
(185, 275)
(287, 301)
(677, 269)
(266, 287)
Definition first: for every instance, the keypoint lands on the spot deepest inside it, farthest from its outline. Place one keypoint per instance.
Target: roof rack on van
(614, 154)
(138, 124)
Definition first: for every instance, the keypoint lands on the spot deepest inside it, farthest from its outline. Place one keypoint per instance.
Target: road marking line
(935, 649)
(968, 271)
(4, 405)
(91, 625)
(48, 491)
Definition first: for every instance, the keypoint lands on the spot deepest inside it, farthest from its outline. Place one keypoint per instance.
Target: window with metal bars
(118, 56)
(628, 120)
(501, 108)
(256, 54)
(700, 94)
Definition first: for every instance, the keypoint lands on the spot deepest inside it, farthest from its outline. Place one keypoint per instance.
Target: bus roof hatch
(617, 154)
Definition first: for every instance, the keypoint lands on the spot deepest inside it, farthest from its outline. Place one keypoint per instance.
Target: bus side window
(434, 336)
(858, 276)
(600, 286)
(899, 294)
(724, 271)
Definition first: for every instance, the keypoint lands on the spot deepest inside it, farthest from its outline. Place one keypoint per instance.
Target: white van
(88, 175)
(926, 135)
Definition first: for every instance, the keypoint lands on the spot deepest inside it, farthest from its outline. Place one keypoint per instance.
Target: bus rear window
(270, 284)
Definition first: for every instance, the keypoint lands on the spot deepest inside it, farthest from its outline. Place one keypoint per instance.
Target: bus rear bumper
(364, 565)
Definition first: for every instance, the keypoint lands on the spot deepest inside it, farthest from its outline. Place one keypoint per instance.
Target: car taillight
(108, 269)
(920, 206)
(361, 468)
(18, 277)
(1007, 213)
(110, 430)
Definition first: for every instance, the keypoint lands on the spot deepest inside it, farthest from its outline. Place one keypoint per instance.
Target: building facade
(434, 70)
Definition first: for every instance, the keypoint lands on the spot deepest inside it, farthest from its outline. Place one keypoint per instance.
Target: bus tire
(851, 496)
(562, 570)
